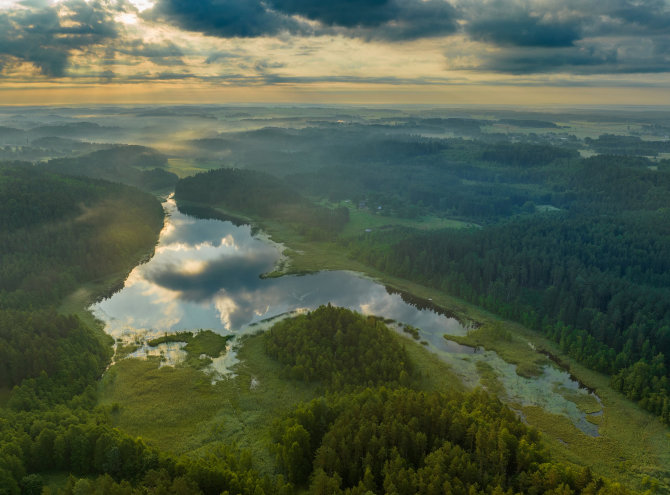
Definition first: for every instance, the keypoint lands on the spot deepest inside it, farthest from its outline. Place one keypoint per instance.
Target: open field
(184, 167)
(361, 219)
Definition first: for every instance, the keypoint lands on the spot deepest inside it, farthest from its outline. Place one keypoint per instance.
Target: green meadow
(181, 410)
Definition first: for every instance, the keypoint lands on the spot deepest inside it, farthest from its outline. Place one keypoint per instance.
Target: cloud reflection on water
(206, 274)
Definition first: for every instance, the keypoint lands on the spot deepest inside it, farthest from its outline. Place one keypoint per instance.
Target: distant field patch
(362, 219)
(185, 167)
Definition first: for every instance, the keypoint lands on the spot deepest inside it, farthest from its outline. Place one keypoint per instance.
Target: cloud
(584, 58)
(543, 60)
(346, 13)
(578, 37)
(415, 19)
(274, 42)
(159, 53)
(391, 20)
(641, 16)
(45, 35)
(224, 18)
(524, 30)
(221, 56)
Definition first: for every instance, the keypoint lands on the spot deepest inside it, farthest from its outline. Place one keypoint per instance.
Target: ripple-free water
(207, 274)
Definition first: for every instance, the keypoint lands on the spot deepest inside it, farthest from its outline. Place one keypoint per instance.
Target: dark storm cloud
(524, 30)
(646, 16)
(578, 37)
(417, 19)
(542, 60)
(36, 33)
(346, 13)
(393, 20)
(578, 60)
(224, 18)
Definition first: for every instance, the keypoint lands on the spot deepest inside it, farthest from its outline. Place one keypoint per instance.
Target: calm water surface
(207, 274)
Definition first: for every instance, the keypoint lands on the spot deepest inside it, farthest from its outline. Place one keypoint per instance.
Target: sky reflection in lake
(206, 274)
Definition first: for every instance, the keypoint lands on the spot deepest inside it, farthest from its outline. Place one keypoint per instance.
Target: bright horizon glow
(336, 94)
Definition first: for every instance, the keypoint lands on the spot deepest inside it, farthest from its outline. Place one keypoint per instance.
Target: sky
(339, 51)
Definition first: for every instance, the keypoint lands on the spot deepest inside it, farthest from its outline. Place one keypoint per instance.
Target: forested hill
(130, 164)
(59, 233)
(339, 348)
(262, 195)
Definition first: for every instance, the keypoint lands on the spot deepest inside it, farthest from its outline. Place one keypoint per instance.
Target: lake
(207, 273)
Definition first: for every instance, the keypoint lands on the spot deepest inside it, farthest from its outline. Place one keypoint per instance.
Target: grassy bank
(181, 410)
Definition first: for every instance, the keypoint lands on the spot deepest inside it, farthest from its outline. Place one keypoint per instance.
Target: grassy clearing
(201, 342)
(201, 347)
(360, 219)
(124, 350)
(595, 420)
(167, 406)
(628, 461)
(184, 167)
(430, 372)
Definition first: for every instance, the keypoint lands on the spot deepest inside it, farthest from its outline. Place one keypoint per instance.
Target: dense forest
(59, 232)
(391, 439)
(262, 195)
(338, 347)
(133, 165)
(408, 176)
(576, 248)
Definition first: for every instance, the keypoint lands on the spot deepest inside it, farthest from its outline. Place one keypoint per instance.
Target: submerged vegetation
(201, 347)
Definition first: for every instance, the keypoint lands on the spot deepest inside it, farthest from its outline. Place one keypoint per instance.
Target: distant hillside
(134, 165)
